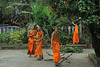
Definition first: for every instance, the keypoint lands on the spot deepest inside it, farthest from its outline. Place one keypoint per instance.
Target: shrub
(17, 37)
(4, 37)
(81, 41)
(65, 38)
(25, 39)
(71, 49)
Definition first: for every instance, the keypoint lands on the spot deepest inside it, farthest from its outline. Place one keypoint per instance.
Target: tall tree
(88, 10)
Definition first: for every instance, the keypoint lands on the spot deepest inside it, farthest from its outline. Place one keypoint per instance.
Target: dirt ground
(19, 58)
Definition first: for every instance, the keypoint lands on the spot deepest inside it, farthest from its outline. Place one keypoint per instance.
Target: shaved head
(39, 28)
(56, 29)
(32, 26)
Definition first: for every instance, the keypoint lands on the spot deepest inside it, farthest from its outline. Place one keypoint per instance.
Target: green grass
(93, 54)
(71, 49)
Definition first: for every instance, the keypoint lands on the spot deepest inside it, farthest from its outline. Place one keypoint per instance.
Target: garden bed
(25, 46)
(13, 46)
(10, 47)
(94, 59)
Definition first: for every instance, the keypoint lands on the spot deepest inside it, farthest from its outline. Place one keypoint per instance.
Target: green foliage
(91, 19)
(42, 16)
(86, 37)
(25, 38)
(4, 37)
(17, 37)
(82, 41)
(93, 54)
(77, 8)
(65, 38)
(98, 36)
(86, 6)
(47, 40)
(47, 12)
(62, 14)
(71, 49)
(5, 10)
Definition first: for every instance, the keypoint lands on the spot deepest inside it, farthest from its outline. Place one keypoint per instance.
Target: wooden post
(80, 28)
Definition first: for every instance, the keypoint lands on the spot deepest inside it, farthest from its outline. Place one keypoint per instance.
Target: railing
(4, 29)
(68, 29)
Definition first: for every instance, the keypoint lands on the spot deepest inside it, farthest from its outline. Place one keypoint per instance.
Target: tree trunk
(94, 30)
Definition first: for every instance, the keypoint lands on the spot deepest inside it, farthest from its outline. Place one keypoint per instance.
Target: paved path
(19, 58)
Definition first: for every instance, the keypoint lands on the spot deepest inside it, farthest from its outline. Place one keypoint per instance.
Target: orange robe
(56, 49)
(75, 36)
(31, 43)
(39, 51)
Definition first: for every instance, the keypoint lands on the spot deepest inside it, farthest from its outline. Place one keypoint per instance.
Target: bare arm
(29, 34)
(73, 23)
(52, 39)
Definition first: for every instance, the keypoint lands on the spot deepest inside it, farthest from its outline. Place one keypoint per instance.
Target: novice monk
(56, 46)
(75, 36)
(39, 43)
(31, 41)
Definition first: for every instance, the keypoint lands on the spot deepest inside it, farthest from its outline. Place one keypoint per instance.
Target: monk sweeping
(31, 41)
(75, 36)
(39, 43)
(56, 46)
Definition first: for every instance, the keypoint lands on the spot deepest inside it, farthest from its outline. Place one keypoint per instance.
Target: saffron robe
(31, 43)
(75, 36)
(56, 49)
(39, 44)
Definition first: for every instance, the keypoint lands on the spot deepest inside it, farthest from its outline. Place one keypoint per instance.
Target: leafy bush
(71, 49)
(25, 39)
(93, 54)
(47, 40)
(4, 37)
(65, 38)
(17, 37)
(82, 41)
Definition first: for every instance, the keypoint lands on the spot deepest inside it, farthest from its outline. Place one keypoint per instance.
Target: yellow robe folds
(39, 51)
(56, 49)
